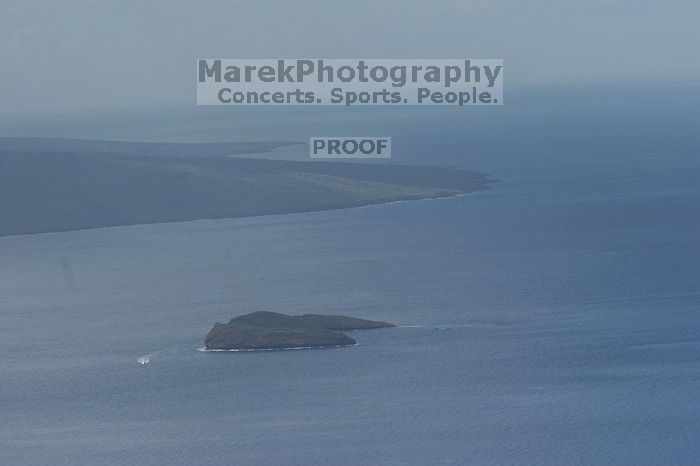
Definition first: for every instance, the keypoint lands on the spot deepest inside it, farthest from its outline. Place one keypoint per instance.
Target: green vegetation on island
(271, 330)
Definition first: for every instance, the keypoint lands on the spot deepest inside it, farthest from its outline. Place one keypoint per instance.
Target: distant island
(271, 330)
(63, 185)
(144, 149)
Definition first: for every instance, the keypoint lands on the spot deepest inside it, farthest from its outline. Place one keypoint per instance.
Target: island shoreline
(55, 192)
(301, 212)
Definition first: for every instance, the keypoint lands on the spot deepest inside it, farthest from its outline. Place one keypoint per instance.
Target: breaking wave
(207, 350)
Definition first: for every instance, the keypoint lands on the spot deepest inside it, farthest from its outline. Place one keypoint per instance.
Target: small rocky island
(271, 330)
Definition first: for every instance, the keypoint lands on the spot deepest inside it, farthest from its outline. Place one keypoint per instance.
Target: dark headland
(63, 185)
(270, 330)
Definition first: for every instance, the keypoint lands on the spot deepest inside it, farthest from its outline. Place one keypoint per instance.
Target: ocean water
(554, 319)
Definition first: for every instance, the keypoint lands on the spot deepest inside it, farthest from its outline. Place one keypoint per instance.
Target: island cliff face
(270, 330)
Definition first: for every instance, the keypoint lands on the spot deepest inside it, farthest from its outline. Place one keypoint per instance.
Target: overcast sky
(61, 54)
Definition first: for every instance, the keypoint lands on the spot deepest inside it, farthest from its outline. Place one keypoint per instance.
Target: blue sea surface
(553, 319)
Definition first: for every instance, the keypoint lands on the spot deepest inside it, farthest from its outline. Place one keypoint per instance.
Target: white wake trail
(146, 358)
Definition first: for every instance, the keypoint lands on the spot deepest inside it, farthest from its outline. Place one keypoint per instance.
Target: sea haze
(552, 319)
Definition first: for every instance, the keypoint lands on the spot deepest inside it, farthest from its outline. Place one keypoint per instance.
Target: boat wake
(147, 358)
(470, 324)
